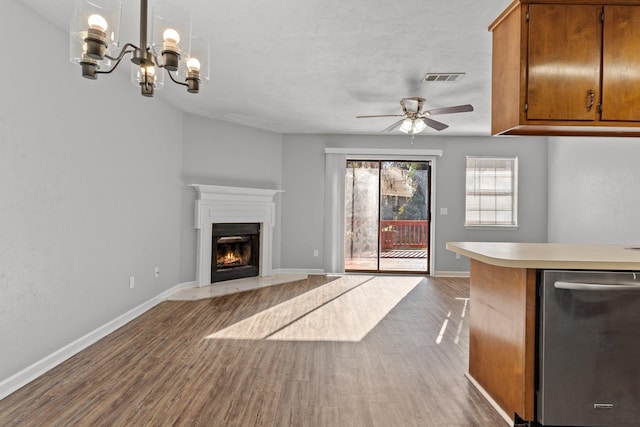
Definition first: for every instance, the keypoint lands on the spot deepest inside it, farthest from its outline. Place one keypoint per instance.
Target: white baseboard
(493, 403)
(180, 286)
(320, 271)
(32, 372)
(451, 274)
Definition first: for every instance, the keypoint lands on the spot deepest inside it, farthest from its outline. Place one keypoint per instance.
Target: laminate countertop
(550, 255)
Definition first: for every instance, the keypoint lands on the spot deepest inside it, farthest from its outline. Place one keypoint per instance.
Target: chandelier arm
(175, 81)
(122, 54)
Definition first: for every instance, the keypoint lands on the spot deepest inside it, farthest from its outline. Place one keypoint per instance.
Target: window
(491, 192)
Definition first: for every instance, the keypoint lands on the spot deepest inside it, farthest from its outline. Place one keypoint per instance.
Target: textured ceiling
(311, 66)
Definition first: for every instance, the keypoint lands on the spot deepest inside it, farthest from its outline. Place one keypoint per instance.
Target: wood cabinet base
(502, 335)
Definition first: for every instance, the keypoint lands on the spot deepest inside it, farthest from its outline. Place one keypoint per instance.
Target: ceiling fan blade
(393, 126)
(382, 115)
(434, 123)
(449, 110)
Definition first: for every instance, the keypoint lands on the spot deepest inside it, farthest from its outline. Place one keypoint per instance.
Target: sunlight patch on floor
(445, 323)
(345, 309)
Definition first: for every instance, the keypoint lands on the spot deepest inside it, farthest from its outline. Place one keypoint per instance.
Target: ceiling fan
(414, 120)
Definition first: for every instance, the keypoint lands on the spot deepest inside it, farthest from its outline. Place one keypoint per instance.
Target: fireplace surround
(228, 205)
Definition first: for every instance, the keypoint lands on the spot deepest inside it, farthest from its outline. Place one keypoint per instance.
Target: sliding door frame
(379, 219)
(335, 171)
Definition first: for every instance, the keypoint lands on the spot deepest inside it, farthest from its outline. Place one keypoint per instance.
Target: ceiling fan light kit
(412, 126)
(414, 120)
(95, 46)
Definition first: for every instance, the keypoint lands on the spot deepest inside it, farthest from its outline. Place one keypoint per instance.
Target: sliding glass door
(387, 216)
(362, 185)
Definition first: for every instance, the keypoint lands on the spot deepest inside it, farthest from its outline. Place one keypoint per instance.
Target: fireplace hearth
(235, 251)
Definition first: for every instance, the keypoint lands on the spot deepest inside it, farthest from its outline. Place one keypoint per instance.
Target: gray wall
(594, 189)
(221, 153)
(303, 202)
(88, 197)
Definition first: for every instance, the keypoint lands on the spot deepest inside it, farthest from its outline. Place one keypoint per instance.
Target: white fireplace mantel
(221, 204)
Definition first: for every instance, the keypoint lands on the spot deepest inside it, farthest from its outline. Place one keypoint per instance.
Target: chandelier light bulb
(193, 65)
(171, 36)
(170, 49)
(146, 74)
(97, 22)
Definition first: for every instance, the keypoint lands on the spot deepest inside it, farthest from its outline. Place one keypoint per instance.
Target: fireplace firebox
(236, 251)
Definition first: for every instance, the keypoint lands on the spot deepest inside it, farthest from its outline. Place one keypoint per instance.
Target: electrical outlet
(315, 252)
(457, 256)
(132, 282)
(157, 272)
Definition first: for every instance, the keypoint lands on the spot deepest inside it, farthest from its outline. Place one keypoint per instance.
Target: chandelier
(95, 46)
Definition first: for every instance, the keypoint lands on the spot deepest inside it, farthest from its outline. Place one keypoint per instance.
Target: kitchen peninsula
(502, 329)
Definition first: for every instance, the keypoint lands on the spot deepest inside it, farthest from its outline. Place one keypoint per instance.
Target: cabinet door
(564, 62)
(621, 63)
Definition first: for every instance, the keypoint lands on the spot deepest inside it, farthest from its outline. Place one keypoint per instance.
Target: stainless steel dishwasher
(589, 349)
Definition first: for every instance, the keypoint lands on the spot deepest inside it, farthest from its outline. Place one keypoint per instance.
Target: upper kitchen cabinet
(621, 63)
(567, 68)
(563, 62)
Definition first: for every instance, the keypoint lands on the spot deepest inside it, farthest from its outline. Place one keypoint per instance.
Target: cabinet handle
(591, 97)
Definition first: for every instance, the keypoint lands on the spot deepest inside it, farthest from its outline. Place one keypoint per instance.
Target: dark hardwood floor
(354, 351)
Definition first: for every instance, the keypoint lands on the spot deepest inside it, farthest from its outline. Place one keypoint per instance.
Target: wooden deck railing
(404, 234)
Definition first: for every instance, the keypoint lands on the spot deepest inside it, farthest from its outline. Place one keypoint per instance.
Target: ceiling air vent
(442, 77)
